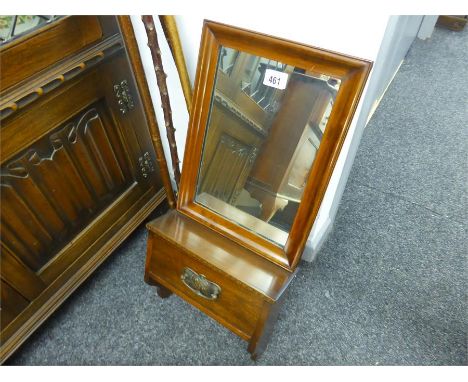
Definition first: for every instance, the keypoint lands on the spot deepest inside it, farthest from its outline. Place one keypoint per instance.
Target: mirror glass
(265, 125)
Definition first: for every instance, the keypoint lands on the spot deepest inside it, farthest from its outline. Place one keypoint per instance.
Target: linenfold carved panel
(55, 188)
(229, 168)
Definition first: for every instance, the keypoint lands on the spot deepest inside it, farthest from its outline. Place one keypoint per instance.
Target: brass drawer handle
(200, 285)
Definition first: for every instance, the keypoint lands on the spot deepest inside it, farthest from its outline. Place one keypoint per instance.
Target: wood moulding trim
(23, 37)
(45, 272)
(58, 76)
(56, 41)
(52, 303)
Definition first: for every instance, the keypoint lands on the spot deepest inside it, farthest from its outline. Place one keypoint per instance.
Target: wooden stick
(169, 27)
(166, 104)
(137, 66)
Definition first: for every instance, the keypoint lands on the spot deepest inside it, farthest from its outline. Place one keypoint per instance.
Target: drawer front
(236, 306)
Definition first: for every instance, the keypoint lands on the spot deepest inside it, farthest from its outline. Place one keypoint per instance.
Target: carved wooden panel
(228, 170)
(76, 175)
(51, 191)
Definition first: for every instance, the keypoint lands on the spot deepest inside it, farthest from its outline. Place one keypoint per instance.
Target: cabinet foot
(261, 336)
(161, 290)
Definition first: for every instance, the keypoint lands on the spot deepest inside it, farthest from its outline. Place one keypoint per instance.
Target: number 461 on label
(275, 79)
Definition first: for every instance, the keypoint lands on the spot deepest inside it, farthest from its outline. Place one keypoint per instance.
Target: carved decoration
(124, 97)
(146, 164)
(228, 169)
(236, 147)
(37, 89)
(51, 191)
(233, 109)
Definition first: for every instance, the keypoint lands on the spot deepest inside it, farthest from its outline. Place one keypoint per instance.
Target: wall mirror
(268, 122)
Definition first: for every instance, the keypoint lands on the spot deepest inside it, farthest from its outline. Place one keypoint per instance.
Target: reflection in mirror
(264, 129)
(227, 58)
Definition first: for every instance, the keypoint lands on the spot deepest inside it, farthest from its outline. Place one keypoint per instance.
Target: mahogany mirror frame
(352, 72)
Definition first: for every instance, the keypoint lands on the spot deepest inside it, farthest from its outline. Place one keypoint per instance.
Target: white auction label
(275, 79)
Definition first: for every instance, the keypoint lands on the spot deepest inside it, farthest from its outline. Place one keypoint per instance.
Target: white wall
(359, 36)
(400, 34)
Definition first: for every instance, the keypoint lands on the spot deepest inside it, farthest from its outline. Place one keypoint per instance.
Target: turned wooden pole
(169, 27)
(166, 104)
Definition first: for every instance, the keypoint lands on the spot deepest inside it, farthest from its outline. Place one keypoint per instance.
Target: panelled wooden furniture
(229, 261)
(240, 125)
(81, 161)
(297, 144)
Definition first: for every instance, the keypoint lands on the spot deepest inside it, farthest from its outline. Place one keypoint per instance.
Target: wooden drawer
(251, 287)
(237, 306)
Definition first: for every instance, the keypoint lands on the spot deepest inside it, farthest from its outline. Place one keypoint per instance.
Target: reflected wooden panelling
(230, 151)
(228, 170)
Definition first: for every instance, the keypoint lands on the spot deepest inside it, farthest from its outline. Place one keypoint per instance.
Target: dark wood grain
(251, 272)
(264, 328)
(12, 304)
(233, 259)
(72, 184)
(235, 308)
(48, 196)
(19, 275)
(115, 227)
(44, 82)
(26, 56)
(452, 22)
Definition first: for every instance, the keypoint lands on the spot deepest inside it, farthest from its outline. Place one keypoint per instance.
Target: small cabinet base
(228, 282)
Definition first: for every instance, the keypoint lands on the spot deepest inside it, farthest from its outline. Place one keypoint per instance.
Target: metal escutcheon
(200, 285)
